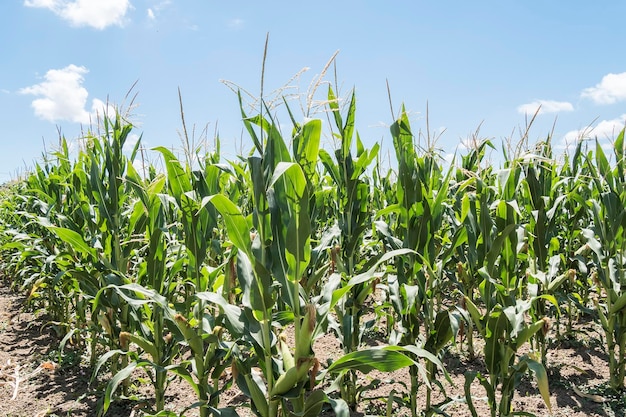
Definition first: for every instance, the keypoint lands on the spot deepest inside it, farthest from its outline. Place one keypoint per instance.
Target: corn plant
(278, 249)
(474, 194)
(45, 201)
(543, 199)
(91, 223)
(161, 332)
(197, 320)
(209, 353)
(353, 211)
(575, 297)
(422, 224)
(105, 167)
(505, 331)
(211, 265)
(606, 239)
(149, 216)
(502, 320)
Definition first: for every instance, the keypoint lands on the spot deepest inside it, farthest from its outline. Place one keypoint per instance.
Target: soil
(37, 380)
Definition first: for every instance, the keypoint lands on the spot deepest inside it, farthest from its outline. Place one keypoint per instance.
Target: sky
(462, 69)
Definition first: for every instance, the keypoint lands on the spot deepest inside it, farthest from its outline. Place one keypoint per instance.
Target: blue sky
(485, 63)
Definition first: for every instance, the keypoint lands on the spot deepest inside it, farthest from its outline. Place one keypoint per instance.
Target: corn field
(198, 268)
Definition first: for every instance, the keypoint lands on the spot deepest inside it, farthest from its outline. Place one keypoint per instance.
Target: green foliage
(206, 267)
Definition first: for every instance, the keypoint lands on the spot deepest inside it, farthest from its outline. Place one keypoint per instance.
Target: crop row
(199, 271)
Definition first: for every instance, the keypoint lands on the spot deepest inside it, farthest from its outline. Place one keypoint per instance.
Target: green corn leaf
(552, 300)
(256, 287)
(348, 129)
(593, 243)
(165, 413)
(474, 314)
(142, 295)
(469, 378)
(221, 412)
(333, 104)
(134, 180)
(381, 359)
(234, 316)
(391, 209)
(74, 239)
(338, 294)
(330, 166)
(257, 143)
(146, 345)
(292, 173)
(497, 331)
(423, 354)
(276, 150)
(384, 229)
(603, 163)
(313, 404)
(527, 332)
(542, 381)
(179, 179)
(67, 338)
(236, 224)
(256, 388)
(102, 360)
(182, 371)
(370, 273)
(364, 161)
(117, 379)
(516, 315)
(491, 392)
(441, 333)
(306, 145)
(497, 247)
(604, 321)
(340, 407)
(618, 146)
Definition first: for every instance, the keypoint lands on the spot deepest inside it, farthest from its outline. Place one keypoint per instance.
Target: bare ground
(35, 380)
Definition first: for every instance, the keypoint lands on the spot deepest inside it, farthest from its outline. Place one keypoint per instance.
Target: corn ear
(149, 347)
(124, 340)
(288, 359)
(104, 321)
(191, 337)
(285, 382)
(218, 331)
(304, 340)
(619, 304)
(292, 377)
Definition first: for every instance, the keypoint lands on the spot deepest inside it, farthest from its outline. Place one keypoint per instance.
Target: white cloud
(606, 130)
(98, 14)
(545, 106)
(610, 90)
(158, 7)
(63, 97)
(236, 23)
